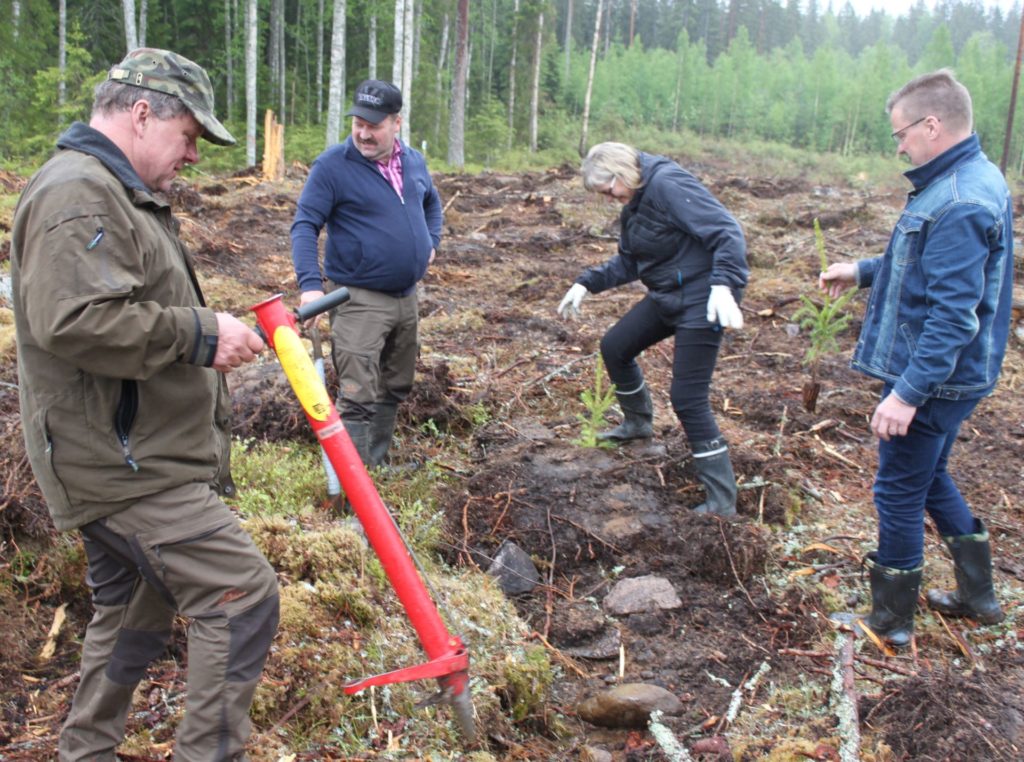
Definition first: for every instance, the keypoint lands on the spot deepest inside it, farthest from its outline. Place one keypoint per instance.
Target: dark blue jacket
(938, 318)
(678, 240)
(375, 239)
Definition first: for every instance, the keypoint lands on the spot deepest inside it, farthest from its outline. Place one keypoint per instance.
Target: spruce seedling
(596, 400)
(825, 323)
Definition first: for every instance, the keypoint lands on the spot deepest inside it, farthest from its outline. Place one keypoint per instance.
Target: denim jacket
(938, 317)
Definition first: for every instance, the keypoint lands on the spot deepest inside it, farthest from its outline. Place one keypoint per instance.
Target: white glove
(722, 308)
(570, 306)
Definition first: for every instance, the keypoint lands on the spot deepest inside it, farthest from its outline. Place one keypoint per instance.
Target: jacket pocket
(45, 471)
(909, 233)
(124, 417)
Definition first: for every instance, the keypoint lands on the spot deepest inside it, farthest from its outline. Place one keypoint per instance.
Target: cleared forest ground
(495, 412)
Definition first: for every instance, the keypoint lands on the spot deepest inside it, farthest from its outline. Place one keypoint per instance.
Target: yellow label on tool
(301, 374)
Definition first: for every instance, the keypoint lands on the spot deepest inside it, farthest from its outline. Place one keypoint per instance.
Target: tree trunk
(535, 90)
(567, 42)
(282, 67)
(457, 120)
(336, 83)
(131, 36)
(373, 47)
(441, 62)
(252, 44)
(15, 19)
(143, 21)
(319, 60)
(512, 75)
(590, 79)
(62, 57)
(407, 50)
(396, 62)
(632, 22)
(272, 38)
(230, 60)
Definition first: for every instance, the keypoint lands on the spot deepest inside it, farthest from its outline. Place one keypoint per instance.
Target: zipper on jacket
(124, 417)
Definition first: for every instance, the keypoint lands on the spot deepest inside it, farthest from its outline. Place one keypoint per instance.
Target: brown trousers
(191, 557)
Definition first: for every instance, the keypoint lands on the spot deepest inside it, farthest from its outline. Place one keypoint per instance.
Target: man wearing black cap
(125, 411)
(383, 218)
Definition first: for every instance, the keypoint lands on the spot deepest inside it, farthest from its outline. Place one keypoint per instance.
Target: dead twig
(582, 529)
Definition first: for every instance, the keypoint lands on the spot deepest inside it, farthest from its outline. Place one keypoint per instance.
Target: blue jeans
(912, 479)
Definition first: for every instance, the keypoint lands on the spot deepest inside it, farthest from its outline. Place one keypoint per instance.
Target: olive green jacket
(114, 339)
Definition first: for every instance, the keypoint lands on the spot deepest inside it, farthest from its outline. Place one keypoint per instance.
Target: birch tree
(396, 60)
(407, 51)
(567, 41)
(373, 47)
(336, 81)
(62, 55)
(252, 44)
(131, 36)
(230, 59)
(590, 79)
(143, 20)
(457, 118)
(512, 75)
(319, 60)
(15, 19)
(535, 89)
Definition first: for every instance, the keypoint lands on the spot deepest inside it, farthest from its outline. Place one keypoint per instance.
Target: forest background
(508, 82)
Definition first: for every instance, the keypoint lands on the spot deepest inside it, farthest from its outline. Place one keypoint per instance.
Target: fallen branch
(750, 686)
(666, 739)
(844, 699)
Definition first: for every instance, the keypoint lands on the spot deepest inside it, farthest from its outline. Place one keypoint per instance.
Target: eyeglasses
(609, 191)
(900, 134)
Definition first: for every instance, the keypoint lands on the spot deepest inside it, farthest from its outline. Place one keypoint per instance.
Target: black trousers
(693, 363)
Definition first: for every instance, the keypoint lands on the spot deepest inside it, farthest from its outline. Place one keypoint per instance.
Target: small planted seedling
(824, 322)
(597, 400)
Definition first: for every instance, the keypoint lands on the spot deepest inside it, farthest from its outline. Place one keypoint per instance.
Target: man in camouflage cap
(125, 412)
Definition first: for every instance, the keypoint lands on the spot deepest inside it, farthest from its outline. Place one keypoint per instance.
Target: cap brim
(376, 117)
(213, 130)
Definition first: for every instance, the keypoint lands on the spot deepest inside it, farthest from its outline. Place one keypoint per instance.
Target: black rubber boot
(382, 429)
(974, 596)
(359, 433)
(893, 602)
(637, 416)
(714, 471)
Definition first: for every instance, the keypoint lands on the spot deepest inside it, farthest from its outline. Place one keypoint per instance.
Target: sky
(900, 7)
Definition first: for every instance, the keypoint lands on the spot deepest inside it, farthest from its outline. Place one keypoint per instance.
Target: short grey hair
(607, 162)
(936, 93)
(112, 97)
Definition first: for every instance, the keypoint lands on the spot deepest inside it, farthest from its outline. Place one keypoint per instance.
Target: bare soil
(501, 376)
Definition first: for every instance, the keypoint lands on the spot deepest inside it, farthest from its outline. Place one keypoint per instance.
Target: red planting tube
(449, 659)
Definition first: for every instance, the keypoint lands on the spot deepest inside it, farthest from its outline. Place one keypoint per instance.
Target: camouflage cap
(167, 72)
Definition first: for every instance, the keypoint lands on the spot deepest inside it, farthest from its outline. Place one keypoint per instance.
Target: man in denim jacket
(935, 333)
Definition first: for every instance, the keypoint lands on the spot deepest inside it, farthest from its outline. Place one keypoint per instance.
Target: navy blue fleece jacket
(375, 239)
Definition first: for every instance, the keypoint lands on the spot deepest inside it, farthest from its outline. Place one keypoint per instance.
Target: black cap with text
(375, 99)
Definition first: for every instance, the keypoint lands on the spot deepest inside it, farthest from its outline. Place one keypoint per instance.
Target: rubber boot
(893, 602)
(637, 416)
(382, 429)
(359, 433)
(974, 596)
(714, 471)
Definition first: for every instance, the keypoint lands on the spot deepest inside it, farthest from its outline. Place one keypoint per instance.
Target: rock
(605, 646)
(628, 706)
(594, 754)
(641, 594)
(645, 623)
(514, 569)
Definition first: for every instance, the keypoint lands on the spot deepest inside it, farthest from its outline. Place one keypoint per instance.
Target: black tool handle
(323, 304)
